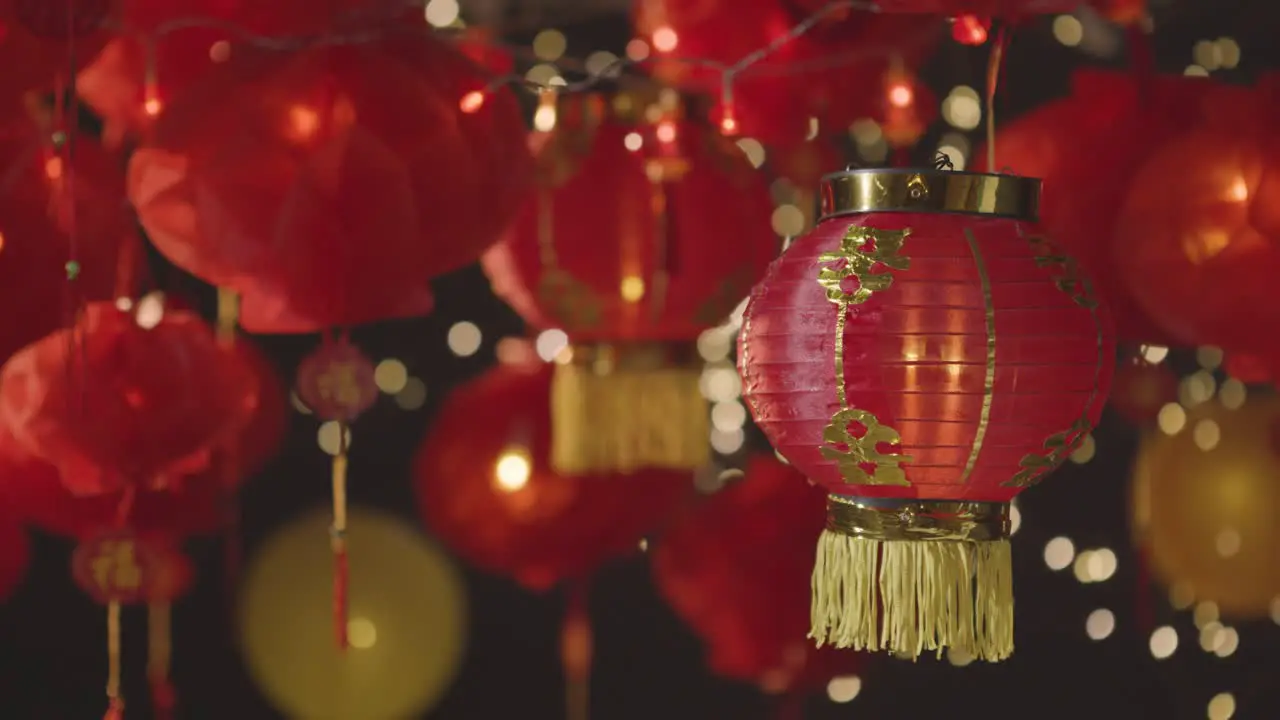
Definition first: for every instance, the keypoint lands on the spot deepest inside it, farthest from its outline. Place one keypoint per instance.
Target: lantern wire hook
(942, 161)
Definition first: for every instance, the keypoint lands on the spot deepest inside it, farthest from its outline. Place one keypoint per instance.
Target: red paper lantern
(336, 382)
(39, 40)
(924, 354)
(642, 235)
(485, 486)
(1009, 9)
(1198, 239)
(114, 404)
(294, 179)
(752, 541)
(767, 103)
(40, 195)
(1087, 149)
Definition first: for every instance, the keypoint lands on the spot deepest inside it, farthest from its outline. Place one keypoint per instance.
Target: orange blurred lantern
(924, 355)
(1088, 148)
(292, 178)
(114, 404)
(1196, 240)
(643, 234)
(485, 485)
(768, 102)
(753, 542)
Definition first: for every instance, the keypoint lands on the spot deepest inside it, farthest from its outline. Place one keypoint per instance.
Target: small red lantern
(113, 566)
(643, 234)
(336, 381)
(293, 180)
(485, 485)
(115, 404)
(924, 354)
(752, 541)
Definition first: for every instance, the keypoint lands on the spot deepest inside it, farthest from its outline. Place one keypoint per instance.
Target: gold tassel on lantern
(914, 575)
(621, 407)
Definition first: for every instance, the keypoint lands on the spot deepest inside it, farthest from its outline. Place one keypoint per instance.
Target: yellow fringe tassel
(627, 419)
(909, 596)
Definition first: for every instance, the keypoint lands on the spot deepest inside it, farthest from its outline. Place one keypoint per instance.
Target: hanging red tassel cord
(576, 651)
(115, 703)
(159, 650)
(338, 540)
(994, 66)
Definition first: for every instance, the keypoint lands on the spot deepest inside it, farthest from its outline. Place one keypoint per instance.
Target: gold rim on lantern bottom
(930, 191)
(911, 519)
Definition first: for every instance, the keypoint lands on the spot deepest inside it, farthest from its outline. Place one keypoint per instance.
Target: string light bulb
(970, 30)
(901, 95)
(544, 118)
(471, 102)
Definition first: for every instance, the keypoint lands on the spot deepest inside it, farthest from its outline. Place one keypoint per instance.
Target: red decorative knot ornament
(123, 401)
(644, 233)
(336, 381)
(485, 486)
(293, 179)
(752, 541)
(114, 566)
(924, 354)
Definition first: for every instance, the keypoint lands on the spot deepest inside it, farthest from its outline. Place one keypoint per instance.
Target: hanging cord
(227, 319)
(159, 652)
(115, 703)
(576, 650)
(994, 65)
(338, 540)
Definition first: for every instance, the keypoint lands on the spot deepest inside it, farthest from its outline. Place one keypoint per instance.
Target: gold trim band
(902, 519)
(937, 191)
(606, 358)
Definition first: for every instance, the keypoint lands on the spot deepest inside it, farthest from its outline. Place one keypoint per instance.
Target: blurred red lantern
(336, 381)
(1009, 9)
(1139, 389)
(14, 552)
(752, 541)
(773, 101)
(485, 486)
(1249, 368)
(114, 404)
(924, 355)
(642, 235)
(293, 178)
(1087, 149)
(40, 39)
(1197, 239)
(41, 196)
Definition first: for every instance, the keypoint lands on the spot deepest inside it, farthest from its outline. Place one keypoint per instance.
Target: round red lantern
(642, 235)
(752, 541)
(121, 400)
(1201, 211)
(924, 354)
(292, 178)
(336, 381)
(485, 485)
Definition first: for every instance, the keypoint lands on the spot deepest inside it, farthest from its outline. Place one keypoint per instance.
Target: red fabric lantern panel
(39, 38)
(309, 179)
(115, 404)
(40, 197)
(653, 244)
(1087, 148)
(1198, 239)
(768, 105)
(485, 487)
(924, 362)
(753, 542)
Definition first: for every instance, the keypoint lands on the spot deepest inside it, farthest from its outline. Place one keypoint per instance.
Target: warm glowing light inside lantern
(511, 472)
(362, 634)
(666, 131)
(153, 106)
(303, 122)
(631, 288)
(728, 125)
(969, 30)
(901, 95)
(1239, 191)
(53, 168)
(471, 102)
(665, 39)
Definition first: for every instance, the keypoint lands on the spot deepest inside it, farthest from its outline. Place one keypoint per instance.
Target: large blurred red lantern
(642, 235)
(752, 541)
(1012, 9)
(924, 355)
(1087, 149)
(114, 404)
(767, 103)
(485, 486)
(42, 197)
(1198, 239)
(293, 178)
(40, 39)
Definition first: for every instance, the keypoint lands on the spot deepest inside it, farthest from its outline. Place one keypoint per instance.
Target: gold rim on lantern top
(930, 191)
(607, 358)
(910, 519)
